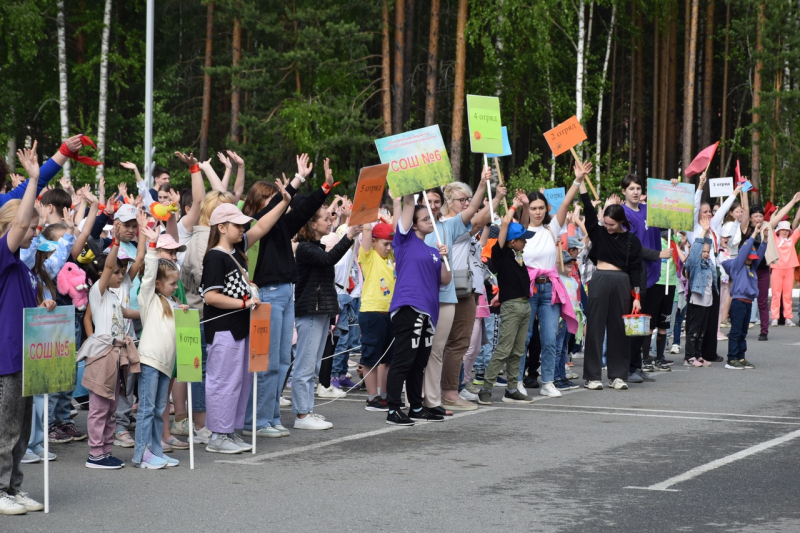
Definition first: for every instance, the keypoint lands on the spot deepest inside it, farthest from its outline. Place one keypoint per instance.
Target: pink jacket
(787, 256)
(560, 295)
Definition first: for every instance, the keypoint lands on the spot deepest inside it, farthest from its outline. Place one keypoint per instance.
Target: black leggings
(413, 340)
(609, 299)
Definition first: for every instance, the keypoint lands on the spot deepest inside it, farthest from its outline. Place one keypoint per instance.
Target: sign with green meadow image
(417, 160)
(189, 349)
(48, 350)
(670, 206)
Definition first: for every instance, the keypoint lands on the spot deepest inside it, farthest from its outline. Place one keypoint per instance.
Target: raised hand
(705, 223)
(520, 194)
(141, 219)
(16, 179)
(304, 168)
(205, 166)
(352, 231)
(66, 183)
(174, 196)
(30, 160)
(68, 221)
(284, 193)
(188, 159)
(582, 170)
(500, 191)
(91, 199)
(224, 160)
(149, 233)
(122, 189)
(74, 143)
(328, 171)
(238, 161)
(129, 165)
(702, 182)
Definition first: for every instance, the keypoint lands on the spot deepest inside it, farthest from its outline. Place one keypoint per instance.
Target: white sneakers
(468, 396)
(789, 323)
(285, 402)
(550, 390)
(20, 503)
(618, 384)
(593, 384)
(330, 392)
(313, 421)
(676, 348)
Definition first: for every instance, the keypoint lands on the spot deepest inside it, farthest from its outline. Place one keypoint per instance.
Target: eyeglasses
(463, 201)
(426, 219)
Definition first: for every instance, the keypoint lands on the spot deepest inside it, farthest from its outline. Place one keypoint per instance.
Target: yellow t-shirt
(379, 279)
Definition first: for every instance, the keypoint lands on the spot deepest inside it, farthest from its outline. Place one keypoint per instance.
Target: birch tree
(580, 66)
(688, 95)
(101, 112)
(62, 79)
(610, 38)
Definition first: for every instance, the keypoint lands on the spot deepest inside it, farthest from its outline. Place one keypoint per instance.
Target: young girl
(562, 342)
(783, 271)
(724, 279)
(156, 354)
(415, 311)
(225, 287)
(702, 285)
(378, 265)
(17, 291)
(316, 303)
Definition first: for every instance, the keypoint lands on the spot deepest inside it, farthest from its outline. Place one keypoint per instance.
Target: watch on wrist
(301, 178)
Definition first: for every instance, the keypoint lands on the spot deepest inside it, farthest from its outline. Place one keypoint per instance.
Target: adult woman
(449, 231)
(540, 254)
(731, 227)
(457, 197)
(617, 252)
(275, 275)
(414, 311)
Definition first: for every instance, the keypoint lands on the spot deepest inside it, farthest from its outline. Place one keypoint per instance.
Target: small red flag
(701, 161)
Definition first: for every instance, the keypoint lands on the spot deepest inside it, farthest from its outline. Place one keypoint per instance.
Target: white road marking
(694, 472)
(358, 436)
(675, 412)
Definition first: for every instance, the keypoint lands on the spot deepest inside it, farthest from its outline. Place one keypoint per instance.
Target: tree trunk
(688, 93)
(552, 119)
(778, 84)
(63, 102)
(611, 31)
(386, 72)
(235, 96)
(408, 61)
(671, 161)
(101, 111)
(611, 109)
(206, 117)
(640, 150)
(708, 78)
(433, 59)
(588, 45)
(655, 152)
(724, 132)
(632, 108)
(399, 70)
(755, 159)
(459, 94)
(579, 62)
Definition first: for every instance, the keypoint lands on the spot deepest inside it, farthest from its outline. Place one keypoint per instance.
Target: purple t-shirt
(649, 237)
(419, 274)
(17, 291)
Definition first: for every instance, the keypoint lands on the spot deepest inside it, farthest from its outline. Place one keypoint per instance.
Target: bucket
(636, 325)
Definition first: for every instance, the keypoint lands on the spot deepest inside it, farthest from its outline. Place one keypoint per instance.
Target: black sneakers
(396, 417)
(485, 397)
(424, 415)
(377, 404)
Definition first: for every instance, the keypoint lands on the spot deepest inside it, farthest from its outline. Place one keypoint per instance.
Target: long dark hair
(213, 240)
(617, 213)
(45, 281)
(306, 233)
(536, 195)
(259, 193)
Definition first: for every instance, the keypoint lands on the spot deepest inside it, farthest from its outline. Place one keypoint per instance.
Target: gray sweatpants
(16, 414)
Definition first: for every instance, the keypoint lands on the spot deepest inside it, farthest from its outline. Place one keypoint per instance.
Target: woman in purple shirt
(414, 311)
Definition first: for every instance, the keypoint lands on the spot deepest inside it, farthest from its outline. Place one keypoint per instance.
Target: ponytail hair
(165, 266)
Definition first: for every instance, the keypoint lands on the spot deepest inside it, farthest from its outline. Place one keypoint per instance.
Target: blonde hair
(211, 201)
(9, 212)
(165, 266)
(449, 189)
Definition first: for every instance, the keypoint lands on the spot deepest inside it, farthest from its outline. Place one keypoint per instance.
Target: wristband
(114, 242)
(327, 188)
(38, 228)
(194, 169)
(512, 208)
(152, 244)
(301, 178)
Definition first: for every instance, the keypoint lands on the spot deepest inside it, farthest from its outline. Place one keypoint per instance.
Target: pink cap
(784, 224)
(166, 242)
(228, 213)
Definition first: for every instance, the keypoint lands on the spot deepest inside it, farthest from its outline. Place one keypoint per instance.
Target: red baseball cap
(382, 230)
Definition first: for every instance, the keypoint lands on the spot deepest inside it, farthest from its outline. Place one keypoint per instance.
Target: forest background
(652, 82)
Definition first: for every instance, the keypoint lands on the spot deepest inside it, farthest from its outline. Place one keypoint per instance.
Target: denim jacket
(700, 272)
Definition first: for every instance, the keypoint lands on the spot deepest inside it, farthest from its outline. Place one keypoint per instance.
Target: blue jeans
(562, 347)
(676, 330)
(548, 329)
(80, 390)
(740, 323)
(153, 395)
(60, 407)
(349, 332)
(199, 387)
(312, 331)
(485, 355)
(38, 433)
(270, 383)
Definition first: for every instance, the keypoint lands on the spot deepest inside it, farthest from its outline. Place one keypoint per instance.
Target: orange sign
(369, 194)
(259, 338)
(566, 135)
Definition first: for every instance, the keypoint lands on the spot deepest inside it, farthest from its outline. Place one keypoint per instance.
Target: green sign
(48, 350)
(190, 353)
(485, 129)
(417, 160)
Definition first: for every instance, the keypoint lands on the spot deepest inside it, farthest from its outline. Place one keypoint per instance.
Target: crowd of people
(437, 303)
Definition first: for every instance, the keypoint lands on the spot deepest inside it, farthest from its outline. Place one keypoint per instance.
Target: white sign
(720, 187)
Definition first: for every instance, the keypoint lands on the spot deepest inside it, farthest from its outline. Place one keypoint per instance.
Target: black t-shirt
(224, 271)
(512, 274)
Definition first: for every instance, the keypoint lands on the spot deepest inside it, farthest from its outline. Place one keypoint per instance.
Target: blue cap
(46, 246)
(574, 242)
(517, 231)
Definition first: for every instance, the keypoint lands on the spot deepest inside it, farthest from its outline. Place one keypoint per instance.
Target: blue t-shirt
(449, 230)
(649, 237)
(419, 273)
(17, 291)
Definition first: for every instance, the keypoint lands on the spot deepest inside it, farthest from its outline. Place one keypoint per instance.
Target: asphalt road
(567, 464)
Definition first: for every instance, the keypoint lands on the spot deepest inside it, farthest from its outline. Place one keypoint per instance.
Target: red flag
(738, 174)
(674, 247)
(769, 209)
(701, 161)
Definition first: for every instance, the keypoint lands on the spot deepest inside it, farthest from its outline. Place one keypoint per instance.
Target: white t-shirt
(107, 312)
(540, 250)
(184, 235)
(124, 295)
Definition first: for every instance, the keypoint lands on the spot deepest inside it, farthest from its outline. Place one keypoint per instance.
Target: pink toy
(71, 282)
